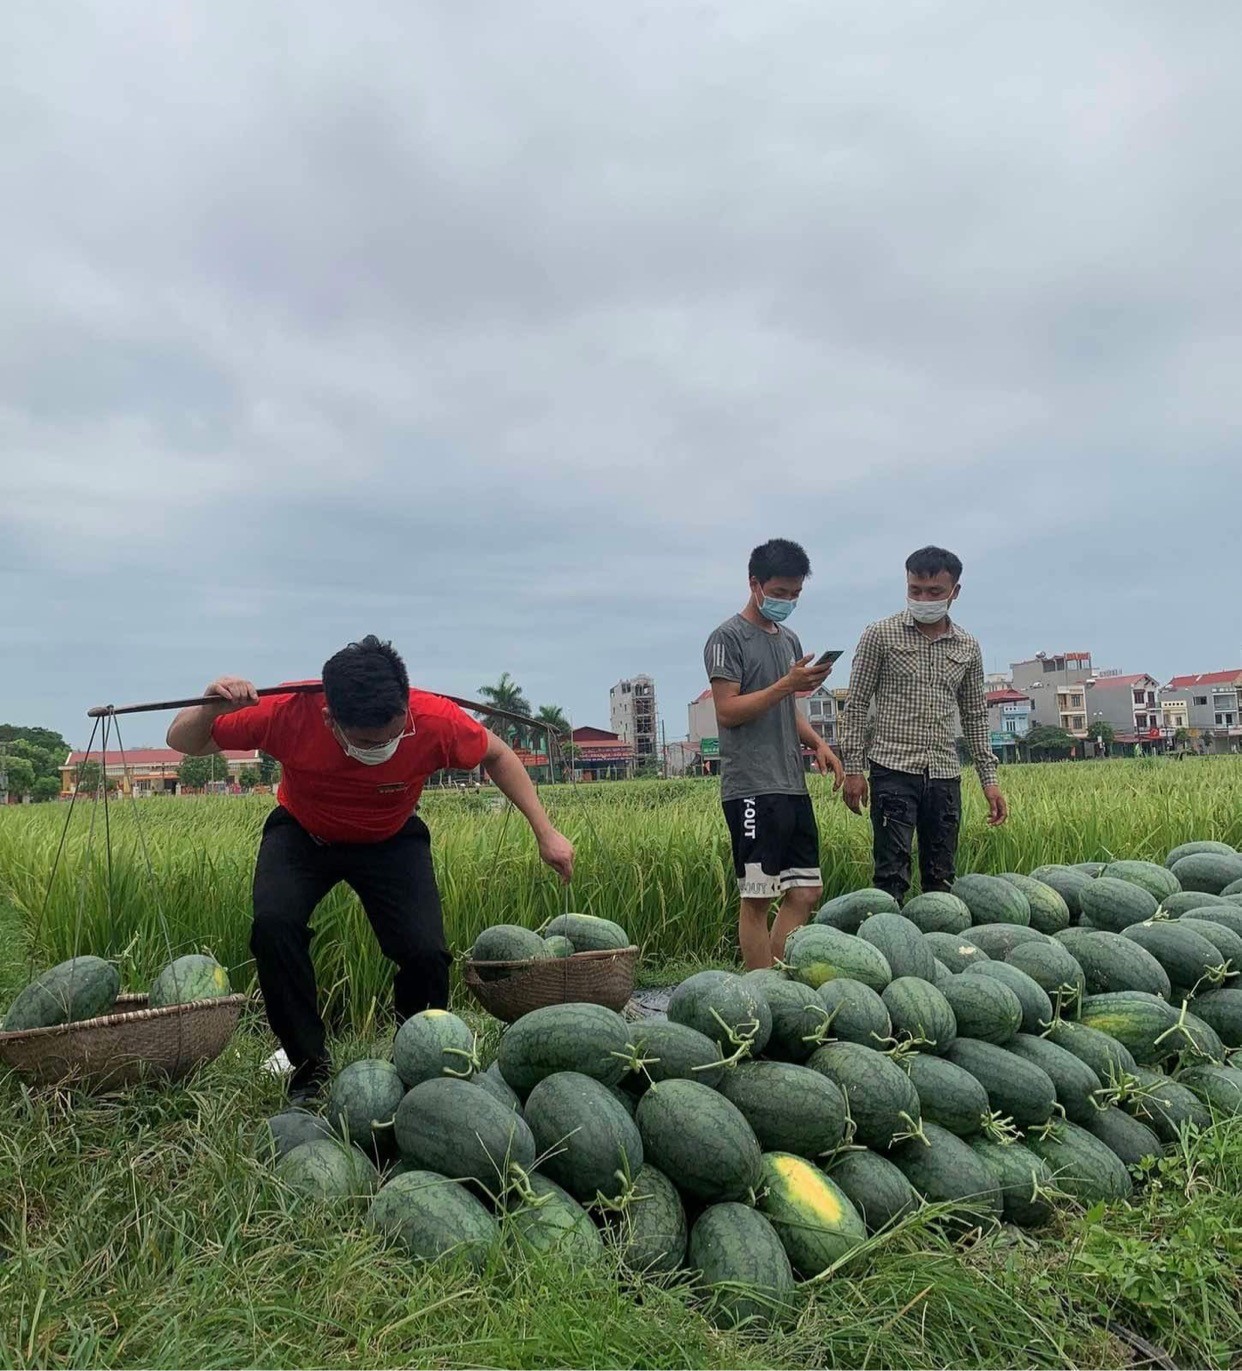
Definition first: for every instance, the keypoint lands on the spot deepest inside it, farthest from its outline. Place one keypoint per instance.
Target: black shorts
(775, 844)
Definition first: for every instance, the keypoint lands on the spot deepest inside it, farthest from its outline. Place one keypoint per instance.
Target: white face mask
(928, 611)
(373, 756)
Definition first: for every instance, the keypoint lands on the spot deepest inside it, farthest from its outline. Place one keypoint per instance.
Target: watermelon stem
(914, 1131)
(1000, 1128)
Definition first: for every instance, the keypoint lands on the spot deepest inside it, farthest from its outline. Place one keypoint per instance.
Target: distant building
(599, 754)
(1214, 706)
(1130, 704)
(821, 708)
(632, 706)
(1174, 711)
(1056, 685)
(145, 770)
(1009, 720)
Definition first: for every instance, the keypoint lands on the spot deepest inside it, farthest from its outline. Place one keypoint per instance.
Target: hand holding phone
(829, 657)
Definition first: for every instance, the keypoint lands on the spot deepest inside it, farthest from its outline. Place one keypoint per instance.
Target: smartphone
(827, 658)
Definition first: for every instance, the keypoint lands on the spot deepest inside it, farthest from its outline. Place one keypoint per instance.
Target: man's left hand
(558, 852)
(998, 810)
(826, 760)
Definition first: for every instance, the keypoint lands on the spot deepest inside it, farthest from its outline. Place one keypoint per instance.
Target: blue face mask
(776, 611)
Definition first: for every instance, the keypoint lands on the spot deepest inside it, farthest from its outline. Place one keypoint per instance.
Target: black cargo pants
(397, 886)
(904, 803)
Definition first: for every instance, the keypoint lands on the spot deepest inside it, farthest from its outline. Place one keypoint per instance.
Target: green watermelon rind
(70, 992)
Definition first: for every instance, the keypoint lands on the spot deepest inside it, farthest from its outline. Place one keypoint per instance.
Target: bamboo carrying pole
(305, 688)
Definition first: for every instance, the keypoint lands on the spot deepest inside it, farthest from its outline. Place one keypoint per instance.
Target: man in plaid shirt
(920, 671)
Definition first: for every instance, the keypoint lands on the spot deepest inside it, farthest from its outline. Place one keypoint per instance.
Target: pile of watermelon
(568, 935)
(86, 987)
(1019, 1043)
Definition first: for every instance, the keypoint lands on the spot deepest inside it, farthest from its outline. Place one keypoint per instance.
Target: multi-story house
(1129, 704)
(1009, 720)
(632, 706)
(1056, 686)
(1214, 709)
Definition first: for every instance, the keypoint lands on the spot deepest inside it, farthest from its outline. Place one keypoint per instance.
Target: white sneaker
(278, 1063)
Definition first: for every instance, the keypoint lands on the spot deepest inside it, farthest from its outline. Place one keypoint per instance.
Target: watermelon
(81, 988)
(1090, 869)
(691, 1132)
(1186, 900)
(432, 1216)
(901, 945)
(1221, 1010)
(954, 951)
(1077, 1086)
(1223, 916)
(625, 1098)
(495, 1084)
(586, 1140)
(741, 1261)
(920, 1014)
(1224, 939)
(1023, 1179)
(942, 976)
(651, 1228)
(1108, 1058)
(588, 933)
(1186, 957)
(856, 1014)
(882, 1101)
(564, 1037)
(1142, 1023)
(1067, 881)
(548, 1220)
(363, 1101)
(875, 1187)
(797, 1016)
(1017, 1089)
(992, 900)
(1210, 871)
(815, 954)
(1156, 880)
(1036, 1006)
(462, 1131)
(190, 978)
(1114, 905)
(812, 1215)
(728, 1009)
(999, 940)
(1232, 889)
(506, 943)
(1165, 1106)
(1110, 962)
(1195, 1041)
(434, 1043)
(937, 911)
(559, 946)
(948, 1095)
(790, 1108)
(1191, 849)
(1081, 1165)
(1049, 912)
(1218, 1087)
(847, 911)
(1052, 967)
(284, 1131)
(983, 1008)
(944, 1170)
(672, 1051)
(1132, 1141)
(326, 1169)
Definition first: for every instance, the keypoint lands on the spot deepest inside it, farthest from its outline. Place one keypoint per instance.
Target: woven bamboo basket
(510, 989)
(132, 1044)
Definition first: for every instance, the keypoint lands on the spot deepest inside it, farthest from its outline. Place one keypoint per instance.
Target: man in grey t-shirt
(757, 669)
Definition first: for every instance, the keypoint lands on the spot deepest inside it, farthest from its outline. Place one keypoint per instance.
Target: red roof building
(145, 770)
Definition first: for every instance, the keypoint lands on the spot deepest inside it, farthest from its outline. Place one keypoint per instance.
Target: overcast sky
(505, 330)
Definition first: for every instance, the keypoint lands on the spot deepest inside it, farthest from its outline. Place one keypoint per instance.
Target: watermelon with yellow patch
(190, 978)
(813, 1217)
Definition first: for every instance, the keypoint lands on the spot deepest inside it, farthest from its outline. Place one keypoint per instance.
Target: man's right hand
(801, 677)
(233, 692)
(855, 793)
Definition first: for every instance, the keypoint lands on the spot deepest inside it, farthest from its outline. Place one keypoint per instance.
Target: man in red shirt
(354, 760)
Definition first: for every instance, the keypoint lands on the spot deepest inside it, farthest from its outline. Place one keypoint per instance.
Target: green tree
(1182, 737)
(269, 768)
(195, 773)
(1046, 741)
(1103, 733)
(505, 694)
(19, 774)
(554, 717)
(86, 777)
(39, 737)
(45, 788)
(248, 777)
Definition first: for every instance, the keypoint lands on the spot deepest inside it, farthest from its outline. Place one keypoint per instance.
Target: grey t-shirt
(763, 757)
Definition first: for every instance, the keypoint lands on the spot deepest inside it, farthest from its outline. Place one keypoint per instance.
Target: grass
(652, 855)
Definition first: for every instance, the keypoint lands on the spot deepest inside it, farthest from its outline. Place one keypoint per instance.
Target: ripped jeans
(904, 803)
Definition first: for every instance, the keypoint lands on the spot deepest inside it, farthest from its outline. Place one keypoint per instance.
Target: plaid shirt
(920, 686)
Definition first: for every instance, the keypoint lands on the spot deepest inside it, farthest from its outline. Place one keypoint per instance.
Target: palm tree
(554, 717)
(505, 694)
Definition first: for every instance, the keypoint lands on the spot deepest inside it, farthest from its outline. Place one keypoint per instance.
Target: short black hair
(366, 684)
(778, 557)
(931, 561)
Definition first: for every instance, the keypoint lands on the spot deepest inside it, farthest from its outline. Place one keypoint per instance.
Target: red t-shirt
(331, 795)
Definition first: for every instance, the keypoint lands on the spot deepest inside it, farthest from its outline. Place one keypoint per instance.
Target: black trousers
(397, 886)
(904, 803)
